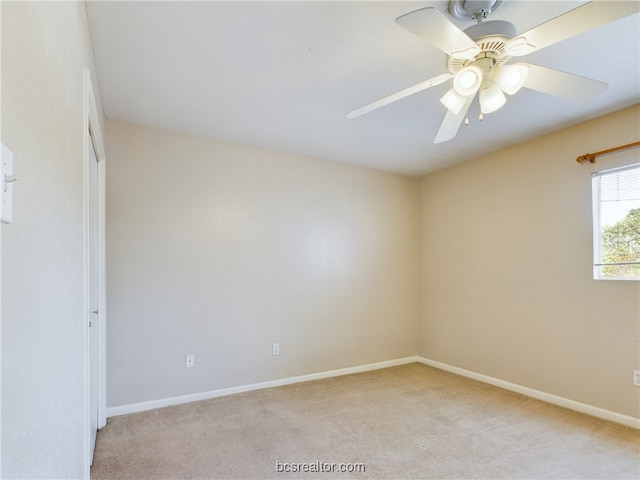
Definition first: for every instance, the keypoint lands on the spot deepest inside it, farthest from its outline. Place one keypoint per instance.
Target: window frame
(598, 264)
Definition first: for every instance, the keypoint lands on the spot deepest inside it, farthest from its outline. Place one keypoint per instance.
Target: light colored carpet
(410, 421)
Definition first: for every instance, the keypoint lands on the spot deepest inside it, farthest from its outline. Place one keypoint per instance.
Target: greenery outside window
(616, 223)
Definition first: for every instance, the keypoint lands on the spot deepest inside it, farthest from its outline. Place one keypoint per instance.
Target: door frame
(93, 139)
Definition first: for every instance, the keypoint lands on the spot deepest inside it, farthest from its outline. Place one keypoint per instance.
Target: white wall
(220, 250)
(506, 285)
(45, 47)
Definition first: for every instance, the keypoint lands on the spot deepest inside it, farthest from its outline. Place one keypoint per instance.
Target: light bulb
(467, 81)
(510, 78)
(491, 99)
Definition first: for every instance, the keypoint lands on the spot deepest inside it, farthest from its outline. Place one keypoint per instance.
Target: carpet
(410, 421)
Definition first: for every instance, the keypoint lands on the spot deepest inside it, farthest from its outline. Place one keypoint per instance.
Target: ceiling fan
(477, 57)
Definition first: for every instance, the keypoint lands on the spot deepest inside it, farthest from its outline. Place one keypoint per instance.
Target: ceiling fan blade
(452, 121)
(574, 22)
(435, 28)
(561, 84)
(400, 95)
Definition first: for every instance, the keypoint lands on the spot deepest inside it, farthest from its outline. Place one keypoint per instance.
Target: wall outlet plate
(636, 378)
(275, 349)
(189, 361)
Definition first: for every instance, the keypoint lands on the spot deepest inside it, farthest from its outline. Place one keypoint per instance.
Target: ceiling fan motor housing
(491, 37)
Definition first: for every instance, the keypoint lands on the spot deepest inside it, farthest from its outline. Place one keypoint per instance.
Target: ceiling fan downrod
(477, 10)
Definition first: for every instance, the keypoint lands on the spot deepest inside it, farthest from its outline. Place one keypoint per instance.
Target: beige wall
(220, 250)
(45, 48)
(506, 285)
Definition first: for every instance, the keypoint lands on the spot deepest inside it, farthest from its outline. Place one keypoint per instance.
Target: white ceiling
(282, 75)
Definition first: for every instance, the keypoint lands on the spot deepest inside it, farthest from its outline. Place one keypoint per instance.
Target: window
(616, 223)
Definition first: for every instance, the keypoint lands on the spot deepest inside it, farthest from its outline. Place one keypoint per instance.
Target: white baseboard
(165, 402)
(530, 392)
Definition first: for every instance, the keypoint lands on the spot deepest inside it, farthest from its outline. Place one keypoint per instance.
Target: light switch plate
(6, 193)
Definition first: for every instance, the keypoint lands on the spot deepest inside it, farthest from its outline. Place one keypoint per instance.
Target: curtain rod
(591, 157)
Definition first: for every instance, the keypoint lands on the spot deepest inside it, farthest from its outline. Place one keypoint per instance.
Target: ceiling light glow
(491, 99)
(510, 78)
(467, 81)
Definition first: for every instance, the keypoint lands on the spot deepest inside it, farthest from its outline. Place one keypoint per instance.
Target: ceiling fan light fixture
(453, 101)
(491, 99)
(467, 81)
(511, 78)
(476, 57)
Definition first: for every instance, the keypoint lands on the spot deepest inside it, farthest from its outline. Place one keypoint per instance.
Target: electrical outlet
(636, 378)
(189, 361)
(275, 349)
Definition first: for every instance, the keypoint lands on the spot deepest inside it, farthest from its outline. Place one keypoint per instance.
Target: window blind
(616, 221)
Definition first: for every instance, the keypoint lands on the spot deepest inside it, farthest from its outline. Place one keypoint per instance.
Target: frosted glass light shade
(491, 99)
(467, 81)
(453, 101)
(510, 78)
